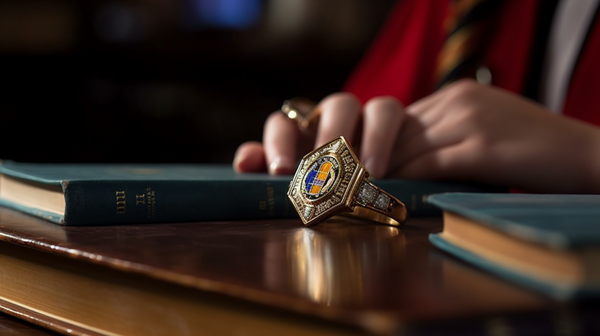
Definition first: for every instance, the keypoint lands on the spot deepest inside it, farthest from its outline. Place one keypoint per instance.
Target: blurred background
(166, 80)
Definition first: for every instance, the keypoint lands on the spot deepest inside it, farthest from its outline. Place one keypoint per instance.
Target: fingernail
(281, 166)
(240, 165)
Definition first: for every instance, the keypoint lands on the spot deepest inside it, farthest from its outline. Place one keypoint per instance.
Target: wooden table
(374, 278)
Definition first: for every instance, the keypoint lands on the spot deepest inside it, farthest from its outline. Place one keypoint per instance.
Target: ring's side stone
(370, 196)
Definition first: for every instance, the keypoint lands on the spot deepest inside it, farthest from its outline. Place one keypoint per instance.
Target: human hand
(473, 132)
(371, 130)
(465, 131)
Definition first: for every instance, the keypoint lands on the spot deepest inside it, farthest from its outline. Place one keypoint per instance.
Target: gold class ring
(331, 180)
(303, 110)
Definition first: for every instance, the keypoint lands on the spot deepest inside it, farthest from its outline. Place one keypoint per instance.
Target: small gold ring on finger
(303, 110)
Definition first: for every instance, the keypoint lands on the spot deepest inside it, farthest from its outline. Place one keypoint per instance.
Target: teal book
(549, 243)
(104, 194)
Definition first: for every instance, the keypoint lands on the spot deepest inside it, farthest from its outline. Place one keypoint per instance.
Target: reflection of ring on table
(302, 110)
(330, 180)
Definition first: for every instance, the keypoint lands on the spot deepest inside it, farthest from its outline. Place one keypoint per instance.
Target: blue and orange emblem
(321, 176)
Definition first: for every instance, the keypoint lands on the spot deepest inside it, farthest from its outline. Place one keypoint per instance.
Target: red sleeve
(401, 60)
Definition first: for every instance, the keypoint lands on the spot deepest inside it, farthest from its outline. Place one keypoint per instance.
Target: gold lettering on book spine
(140, 199)
(271, 200)
(120, 195)
(151, 198)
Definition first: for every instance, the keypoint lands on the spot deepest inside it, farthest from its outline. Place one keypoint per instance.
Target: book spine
(124, 202)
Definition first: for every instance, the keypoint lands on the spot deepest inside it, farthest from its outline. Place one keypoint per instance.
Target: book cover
(97, 194)
(547, 242)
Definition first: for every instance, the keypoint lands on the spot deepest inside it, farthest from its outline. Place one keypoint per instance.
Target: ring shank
(375, 204)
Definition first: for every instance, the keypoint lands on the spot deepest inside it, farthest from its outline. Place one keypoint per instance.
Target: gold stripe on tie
(465, 28)
(456, 49)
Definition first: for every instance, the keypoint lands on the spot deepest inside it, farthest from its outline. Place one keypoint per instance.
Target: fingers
(441, 120)
(339, 116)
(424, 113)
(426, 102)
(381, 123)
(448, 162)
(443, 134)
(280, 138)
(250, 158)
(340, 113)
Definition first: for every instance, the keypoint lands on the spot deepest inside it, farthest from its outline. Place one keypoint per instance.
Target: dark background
(166, 80)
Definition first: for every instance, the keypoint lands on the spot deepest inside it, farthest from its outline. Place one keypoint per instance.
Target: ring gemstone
(320, 177)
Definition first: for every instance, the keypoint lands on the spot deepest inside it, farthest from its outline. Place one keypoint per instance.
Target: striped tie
(466, 27)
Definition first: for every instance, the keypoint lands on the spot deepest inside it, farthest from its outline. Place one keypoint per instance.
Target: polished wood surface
(345, 270)
(29, 322)
(10, 326)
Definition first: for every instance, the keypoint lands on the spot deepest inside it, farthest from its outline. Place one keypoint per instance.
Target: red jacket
(402, 59)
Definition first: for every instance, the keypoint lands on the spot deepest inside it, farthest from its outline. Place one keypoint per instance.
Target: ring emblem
(320, 177)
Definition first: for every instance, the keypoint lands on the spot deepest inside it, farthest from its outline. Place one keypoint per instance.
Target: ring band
(303, 110)
(331, 181)
(377, 205)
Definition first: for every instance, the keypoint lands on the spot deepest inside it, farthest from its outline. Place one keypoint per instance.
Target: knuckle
(466, 89)
(466, 83)
(466, 102)
(341, 99)
(383, 103)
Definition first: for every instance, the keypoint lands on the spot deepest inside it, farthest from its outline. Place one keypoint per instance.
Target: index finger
(280, 138)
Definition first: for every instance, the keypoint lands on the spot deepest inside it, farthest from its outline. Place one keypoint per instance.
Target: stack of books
(104, 194)
(196, 249)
